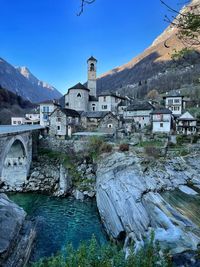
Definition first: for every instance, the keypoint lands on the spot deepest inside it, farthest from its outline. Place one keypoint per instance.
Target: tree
(186, 22)
(153, 94)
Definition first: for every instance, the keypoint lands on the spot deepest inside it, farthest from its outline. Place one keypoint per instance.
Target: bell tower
(92, 76)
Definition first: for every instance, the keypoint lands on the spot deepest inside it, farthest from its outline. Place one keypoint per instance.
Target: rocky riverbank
(58, 177)
(16, 234)
(130, 203)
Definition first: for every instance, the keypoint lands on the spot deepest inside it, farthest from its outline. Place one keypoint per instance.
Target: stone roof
(68, 112)
(161, 111)
(94, 114)
(79, 86)
(92, 59)
(53, 102)
(173, 93)
(93, 98)
(186, 117)
(138, 105)
(111, 94)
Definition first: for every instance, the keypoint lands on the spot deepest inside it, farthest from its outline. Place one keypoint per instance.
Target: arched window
(78, 95)
(92, 67)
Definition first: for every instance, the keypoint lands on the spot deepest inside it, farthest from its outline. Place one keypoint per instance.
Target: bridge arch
(15, 163)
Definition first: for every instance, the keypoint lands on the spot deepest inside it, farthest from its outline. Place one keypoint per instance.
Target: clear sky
(54, 43)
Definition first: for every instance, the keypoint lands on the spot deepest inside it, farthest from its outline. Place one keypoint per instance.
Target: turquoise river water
(60, 221)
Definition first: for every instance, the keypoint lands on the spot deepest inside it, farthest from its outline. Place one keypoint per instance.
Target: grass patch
(154, 143)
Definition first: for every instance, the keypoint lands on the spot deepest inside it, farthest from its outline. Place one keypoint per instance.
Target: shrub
(95, 255)
(98, 146)
(124, 147)
(105, 148)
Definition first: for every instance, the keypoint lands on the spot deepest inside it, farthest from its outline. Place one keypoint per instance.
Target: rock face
(131, 206)
(16, 234)
(48, 176)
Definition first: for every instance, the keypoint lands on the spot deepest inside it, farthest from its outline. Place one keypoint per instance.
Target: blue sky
(54, 43)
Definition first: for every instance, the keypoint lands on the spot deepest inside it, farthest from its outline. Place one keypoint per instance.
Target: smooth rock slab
(131, 207)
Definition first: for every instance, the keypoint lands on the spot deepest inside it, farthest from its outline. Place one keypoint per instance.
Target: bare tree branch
(83, 3)
(187, 23)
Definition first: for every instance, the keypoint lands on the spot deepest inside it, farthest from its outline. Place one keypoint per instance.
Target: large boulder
(131, 206)
(16, 234)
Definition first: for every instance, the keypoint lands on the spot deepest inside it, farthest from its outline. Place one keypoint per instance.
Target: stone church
(82, 98)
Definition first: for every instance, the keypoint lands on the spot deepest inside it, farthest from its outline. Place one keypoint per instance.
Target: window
(170, 101)
(93, 108)
(59, 119)
(46, 109)
(67, 104)
(92, 67)
(14, 122)
(58, 128)
(104, 98)
(78, 95)
(176, 101)
(161, 125)
(19, 122)
(104, 107)
(110, 125)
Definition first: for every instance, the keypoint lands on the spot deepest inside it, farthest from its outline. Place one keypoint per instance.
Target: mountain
(23, 83)
(12, 105)
(155, 69)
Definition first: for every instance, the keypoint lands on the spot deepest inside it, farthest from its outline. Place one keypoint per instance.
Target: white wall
(17, 120)
(174, 104)
(93, 104)
(110, 101)
(161, 123)
(45, 111)
(76, 102)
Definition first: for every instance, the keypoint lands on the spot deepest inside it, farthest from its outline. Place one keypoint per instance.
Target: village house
(139, 113)
(175, 103)
(161, 120)
(110, 123)
(63, 122)
(29, 118)
(186, 124)
(90, 120)
(109, 101)
(46, 108)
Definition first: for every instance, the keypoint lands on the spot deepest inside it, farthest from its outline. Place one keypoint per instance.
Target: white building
(109, 102)
(17, 120)
(174, 102)
(30, 118)
(46, 108)
(186, 124)
(139, 113)
(161, 120)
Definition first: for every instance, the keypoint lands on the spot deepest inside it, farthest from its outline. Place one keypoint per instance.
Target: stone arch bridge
(18, 145)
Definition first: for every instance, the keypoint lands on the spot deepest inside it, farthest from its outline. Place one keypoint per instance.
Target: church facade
(84, 98)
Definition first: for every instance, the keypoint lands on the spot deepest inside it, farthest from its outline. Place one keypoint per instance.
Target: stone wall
(15, 158)
(64, 146)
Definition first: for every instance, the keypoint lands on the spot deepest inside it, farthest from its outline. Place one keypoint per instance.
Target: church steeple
(92, 75)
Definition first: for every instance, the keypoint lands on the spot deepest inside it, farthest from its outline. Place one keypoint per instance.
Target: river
(60, 221)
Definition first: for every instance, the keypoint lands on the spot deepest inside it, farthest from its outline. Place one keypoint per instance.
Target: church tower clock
(92, 76)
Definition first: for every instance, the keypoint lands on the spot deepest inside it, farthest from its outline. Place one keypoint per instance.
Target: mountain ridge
(154, 68)
(22, 82)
